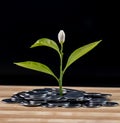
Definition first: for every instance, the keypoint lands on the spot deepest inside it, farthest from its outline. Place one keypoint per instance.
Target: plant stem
(61, 71)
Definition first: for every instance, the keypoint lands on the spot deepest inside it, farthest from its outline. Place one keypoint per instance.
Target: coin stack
(50, 97)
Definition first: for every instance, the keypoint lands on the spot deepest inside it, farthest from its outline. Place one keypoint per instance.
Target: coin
(8, 101)
(111, 104)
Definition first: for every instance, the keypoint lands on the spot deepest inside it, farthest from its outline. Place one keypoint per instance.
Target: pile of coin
(50, 97)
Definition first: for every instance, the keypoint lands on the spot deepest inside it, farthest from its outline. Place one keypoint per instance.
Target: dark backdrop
(23, 22)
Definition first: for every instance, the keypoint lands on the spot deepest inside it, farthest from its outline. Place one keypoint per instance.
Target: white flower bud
(61, 36)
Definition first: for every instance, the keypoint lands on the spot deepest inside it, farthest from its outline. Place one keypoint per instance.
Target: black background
(23, 22)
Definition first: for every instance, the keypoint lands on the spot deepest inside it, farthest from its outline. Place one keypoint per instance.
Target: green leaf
(46, 42)
(36, 66)
(80, 52)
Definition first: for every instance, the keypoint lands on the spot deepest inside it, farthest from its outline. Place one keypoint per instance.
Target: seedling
(75, 55)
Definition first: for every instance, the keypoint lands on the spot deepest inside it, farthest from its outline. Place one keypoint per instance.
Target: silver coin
(30, 103)
(8, 101)
(75, 95)
(91, 105)
(111, 104)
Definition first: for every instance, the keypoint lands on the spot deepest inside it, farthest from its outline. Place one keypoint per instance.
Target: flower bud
(61, 36)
